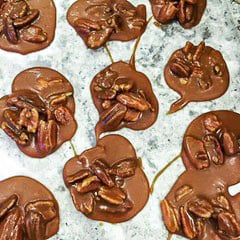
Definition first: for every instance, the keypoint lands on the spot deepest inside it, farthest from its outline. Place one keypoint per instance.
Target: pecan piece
(125, 168)
(113, 116)
(88, 184)
(106, 78)
(105, 94)
(12, 118)
(212, 123)
(101, 172)
(34, 34)
(35, 226)
(201, 208)
(199, 51)
(196, 152)
(168, 12)
(10, 31)
(59, 99)
(134, 100)
(228, 225)
(221, 202)
(26, 20)
(47, 136)
(45, 208)
(29, 118)
(123, 84)
(85, 202)
(12, 226)
(123, 208)
(180, 68)
(106, 104)
(213, 149)
(8, 204)
(169, 216)
(132, 115)
(63, 115)
(230, 143)
(78, 176)
(188, 224)
(20, 9)
(85, 26)
(182, 192)
(112, 195)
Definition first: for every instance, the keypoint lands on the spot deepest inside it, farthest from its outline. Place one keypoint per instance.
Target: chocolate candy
(187, 12)
(39, 114)
(28, 210)
(100, 21)
(197, 73)
(107, 182)
(123, 98)
(26, 26)
(199, 205)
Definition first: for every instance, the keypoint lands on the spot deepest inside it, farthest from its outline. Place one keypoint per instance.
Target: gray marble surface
(220, 28)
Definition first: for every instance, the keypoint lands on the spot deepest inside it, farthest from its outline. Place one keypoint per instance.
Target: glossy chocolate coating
(199, 205)
(100, 21)
(52, 95)
(111, 150)
(32, 211)
(187, 12)
(133, 82)
(197, 73)
(27, 26)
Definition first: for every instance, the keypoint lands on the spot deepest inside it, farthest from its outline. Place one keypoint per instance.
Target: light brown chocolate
(28, 210)
(188, 12)
(196, 73)
(123, 98)
(39, 114)
(106, 20)
(26, 26)
(199, 205)
(107, 182)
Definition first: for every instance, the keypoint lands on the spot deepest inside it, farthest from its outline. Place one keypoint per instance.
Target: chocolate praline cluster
(26, 26)
(199, 205)
(32, 214)
(197, 73)
(107, 182)
(39, 114)
(100, 21)
(187, 12)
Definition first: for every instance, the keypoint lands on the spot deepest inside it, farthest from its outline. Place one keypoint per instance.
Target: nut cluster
(192, 216)
(30, 222)
(112, 16)
(17, 22)
(182, 10)
(186, 66)
(29, 118)
(120, 101)
(101, 186)
(215, 144)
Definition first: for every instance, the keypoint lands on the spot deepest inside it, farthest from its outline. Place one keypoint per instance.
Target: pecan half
(213, 149)
(180, 68)
(182, 192)
(212, 123)
(26, 20)
(63, 115)
(169, 216)
(85, 203)
(132, 115)
(188, 224)
(10, 31)
(228, 224)
(12, 226)
(112, 195)
(47, 136)
(123, 208)
(78, 176)
(88, 184)
(125, 168)
(168, 12)
(201, 208)
(221, 202)
(134, 100)
(45, 208)
(34, 34)
(8, 204)
(29, 118)
(35, 226)
(230, 143)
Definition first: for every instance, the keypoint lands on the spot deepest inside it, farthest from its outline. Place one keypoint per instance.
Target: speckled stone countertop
(220, 28)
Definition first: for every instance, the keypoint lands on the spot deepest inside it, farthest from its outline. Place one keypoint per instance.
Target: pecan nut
(112, 195)
(123, 208)
(180, 68)
(230, 143)
(34, 34)
(201, 208)
(63, 115)
(182, 192)
(169, 216)
(8, 204)
(212, 123)
(78, 176)
(29, 118)
(88, 184)
(221, 202)
(26, 20)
